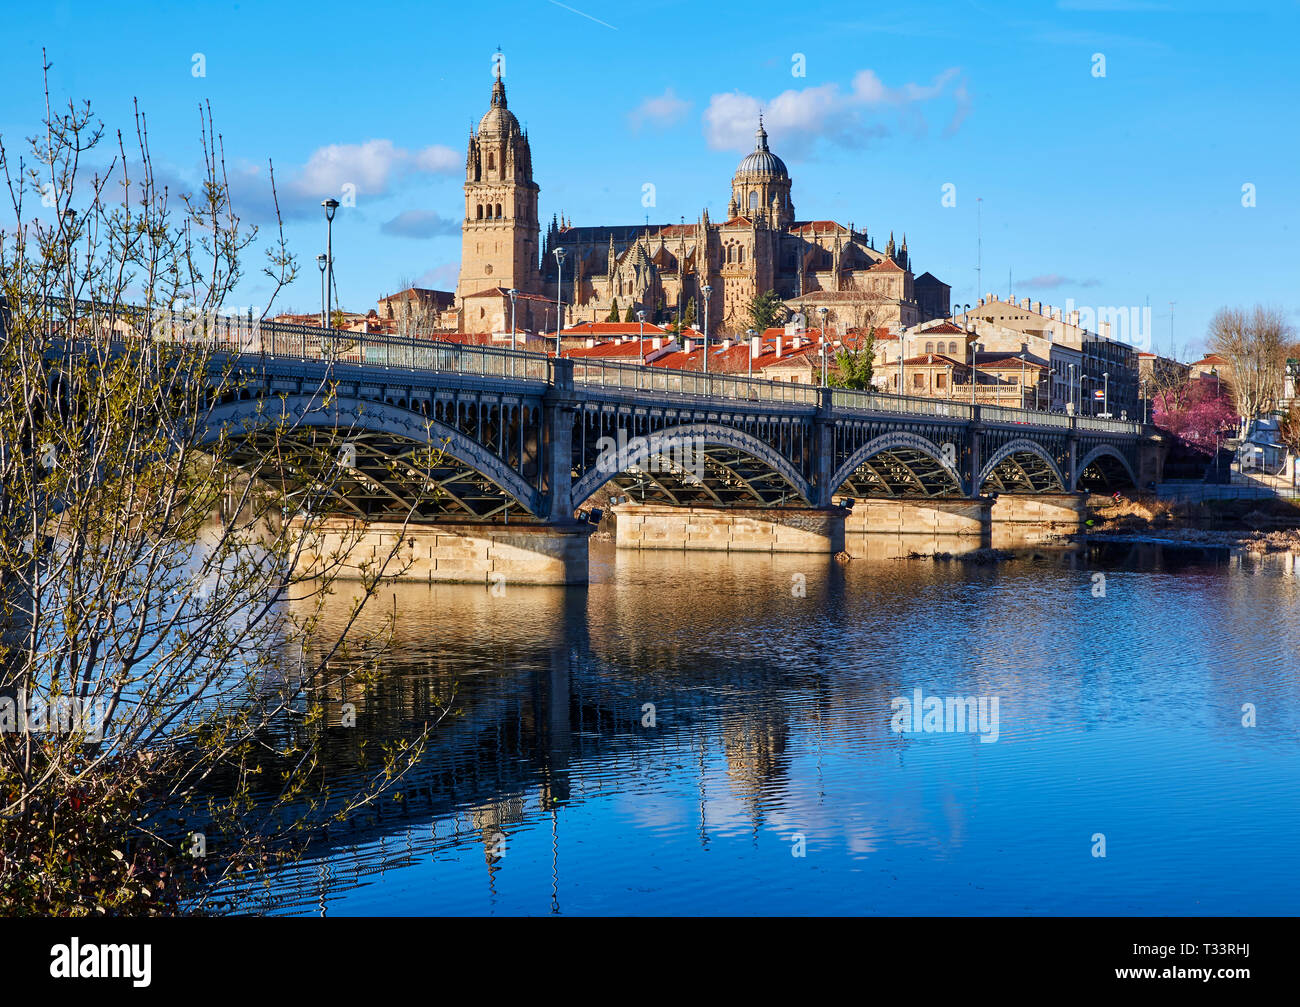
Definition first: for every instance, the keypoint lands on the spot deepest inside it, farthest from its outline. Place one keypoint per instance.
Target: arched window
(492, 161)
(929, 347)
(740, 254)
(753, 200)
(498, 211)
(480, 211)
(952, 347)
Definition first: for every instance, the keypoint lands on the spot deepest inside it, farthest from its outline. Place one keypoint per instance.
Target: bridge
(526, 441)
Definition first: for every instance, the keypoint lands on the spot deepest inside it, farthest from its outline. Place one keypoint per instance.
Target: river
(768, 776)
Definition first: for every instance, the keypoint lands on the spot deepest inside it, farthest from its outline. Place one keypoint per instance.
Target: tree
(855, 363)
(176, 662)
(613, 312)
(765, 310)
(1255, 345)
(631, 312)
(1289, 429)
(1196, 414)
(690, 312)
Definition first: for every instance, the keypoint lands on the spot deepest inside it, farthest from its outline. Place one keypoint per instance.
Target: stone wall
(919, 517)
(488, 554)
(1057, 513)
(787, 530)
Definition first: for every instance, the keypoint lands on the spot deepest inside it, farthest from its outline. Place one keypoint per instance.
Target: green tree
(690, 312)
(765, 310)
(854, 364)
(631, 312)
(613, 312)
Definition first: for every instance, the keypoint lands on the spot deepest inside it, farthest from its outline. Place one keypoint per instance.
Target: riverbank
(1261, 526)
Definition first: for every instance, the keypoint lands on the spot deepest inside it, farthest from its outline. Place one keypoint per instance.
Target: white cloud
(372, 167)
(1050, 281)
(420, 224)
(442, 277)
(802, 116)
(660, 111)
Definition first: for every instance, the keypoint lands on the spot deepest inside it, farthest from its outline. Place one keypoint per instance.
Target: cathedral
(665, 269)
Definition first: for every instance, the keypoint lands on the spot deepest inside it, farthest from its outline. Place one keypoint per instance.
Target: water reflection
(771, 679)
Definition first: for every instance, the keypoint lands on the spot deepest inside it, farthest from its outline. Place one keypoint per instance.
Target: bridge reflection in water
(772, 718)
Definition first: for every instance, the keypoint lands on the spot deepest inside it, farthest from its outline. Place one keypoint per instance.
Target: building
(679, 271)
(1105, 371)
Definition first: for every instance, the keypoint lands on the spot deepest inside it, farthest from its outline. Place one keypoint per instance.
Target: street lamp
(320, 261)
(513, 294)
(706, 290)
(1105, 395)
(823, 310)
(751, 333)
(559, 303)
(640, 321)
(331, 206)
(974, 348)
(1069, 393)
(1022, 381)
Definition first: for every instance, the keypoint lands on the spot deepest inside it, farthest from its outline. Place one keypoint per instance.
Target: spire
(889, 249)
(760, 135)
(498, 90)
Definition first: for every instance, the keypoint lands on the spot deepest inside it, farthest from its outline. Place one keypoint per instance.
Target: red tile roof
(612, 329)
(634, 349)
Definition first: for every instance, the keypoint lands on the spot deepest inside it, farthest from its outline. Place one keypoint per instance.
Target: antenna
(1172, 354)
(979, 247)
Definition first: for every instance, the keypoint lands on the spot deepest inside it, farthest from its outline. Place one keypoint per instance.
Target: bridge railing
(909, 405)
(249, 336)
(661, 379)
(1109, 426)
(1010, 414)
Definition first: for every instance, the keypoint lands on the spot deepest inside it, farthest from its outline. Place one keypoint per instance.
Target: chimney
(657, 343)
(1056, 314)
(1074, 318)
(779, 343)
(726, 343)
(989, 297)
(688, 345)
(797, 342)
(591, 342)
(755, 347)
(1037, 307)
(1024, 303)
(981, 303)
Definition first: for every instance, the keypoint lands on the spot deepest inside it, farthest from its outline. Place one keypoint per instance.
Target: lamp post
(974, 348)
(331, 205)
(1145, 402)
(1105, 395)
(640, 321)
(823, 310)
(1069, 392)
(1022, 381)
(706, 290)
(559, 303)
(751, 333)
(513, 294)
(320, 261)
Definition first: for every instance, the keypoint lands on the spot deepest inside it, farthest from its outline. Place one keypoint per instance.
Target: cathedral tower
(499, 235)
(760, 189)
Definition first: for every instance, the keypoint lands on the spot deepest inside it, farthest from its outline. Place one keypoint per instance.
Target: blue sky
(1114, 190)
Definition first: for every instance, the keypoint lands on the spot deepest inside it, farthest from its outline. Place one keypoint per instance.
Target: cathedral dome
(762, 161)
(498, 118)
